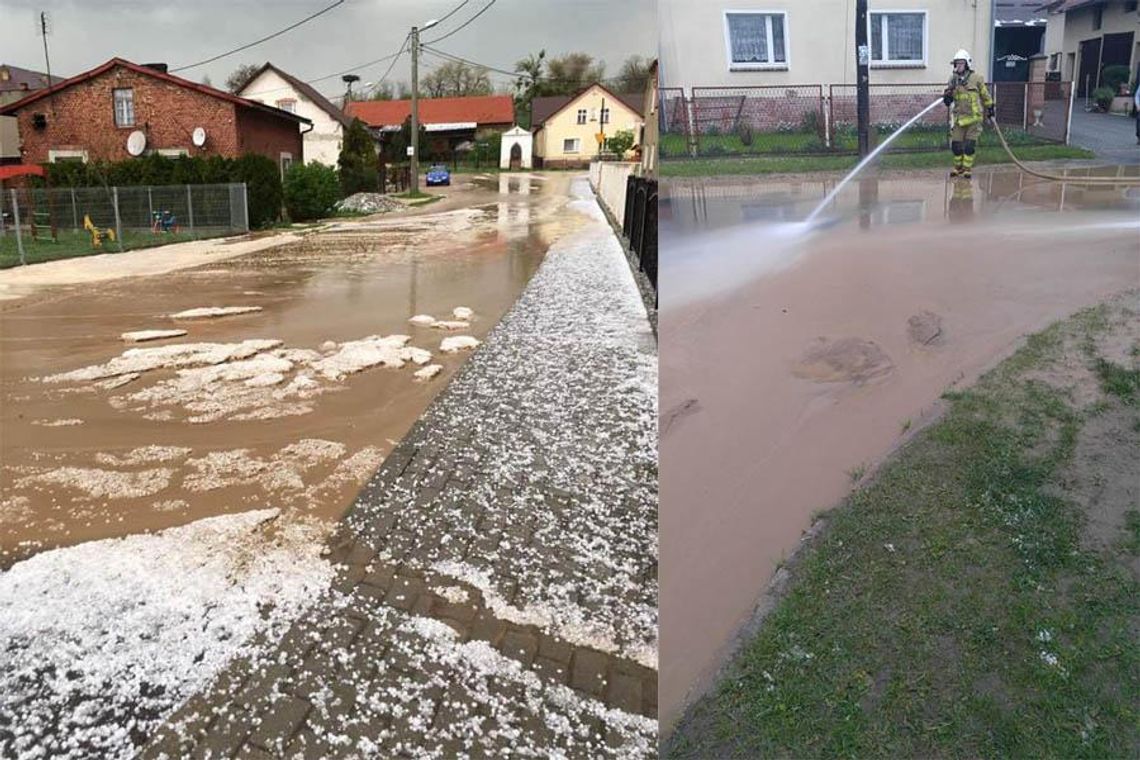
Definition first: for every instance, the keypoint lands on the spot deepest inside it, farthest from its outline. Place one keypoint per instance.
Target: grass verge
(959, 606)
(745, 165)
(71, 244)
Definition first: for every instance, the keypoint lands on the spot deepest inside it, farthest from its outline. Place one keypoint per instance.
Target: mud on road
(291, 405)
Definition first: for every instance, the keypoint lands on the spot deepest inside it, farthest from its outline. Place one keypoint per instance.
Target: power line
(263, 39)
(520, 74)
(460, 28)
(358, 67)
(454, 10)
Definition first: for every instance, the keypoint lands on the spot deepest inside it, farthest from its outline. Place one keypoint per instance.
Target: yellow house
(566, 127)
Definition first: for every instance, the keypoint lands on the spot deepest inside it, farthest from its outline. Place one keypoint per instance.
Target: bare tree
(456, 79)
(571, 72)
(634, 75)
(241, 76)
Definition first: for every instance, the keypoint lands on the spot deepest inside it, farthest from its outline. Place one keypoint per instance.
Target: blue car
(438, 175)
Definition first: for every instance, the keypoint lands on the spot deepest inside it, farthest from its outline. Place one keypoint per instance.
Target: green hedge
(311, 191)
(259, 173)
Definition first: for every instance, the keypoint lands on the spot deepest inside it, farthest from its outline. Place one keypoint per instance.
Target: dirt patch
(844, 360)
(925, 328)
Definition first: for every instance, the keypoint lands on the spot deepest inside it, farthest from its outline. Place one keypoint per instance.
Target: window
(61, 156)
(1130, 7)
(605, 116)
(172, 152)
(756, 40)
(1098, 17)
(1055, 62)
(581, 115)
(287, 104)
(898, 39)
(286, 162)
(570, 145)
(124, 107)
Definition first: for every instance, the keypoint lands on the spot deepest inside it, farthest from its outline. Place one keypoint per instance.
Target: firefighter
(967, 92)
(962, 201)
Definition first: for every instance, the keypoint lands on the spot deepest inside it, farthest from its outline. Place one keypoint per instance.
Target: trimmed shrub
(263, 182)
(259, 173)
(1103, 96)
(311, 191)
(1114, 76)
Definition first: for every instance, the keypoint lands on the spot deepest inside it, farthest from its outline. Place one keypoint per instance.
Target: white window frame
(605, 115)
(583, 115)
(172, 152)
(115, 106)
(887, 63)
(577, 145)
(290, 102)
(55, 155)
(285, 156)
(772, 66)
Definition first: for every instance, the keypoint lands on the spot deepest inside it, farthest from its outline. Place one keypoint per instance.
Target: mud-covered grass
(737, 165)
(979, 598)
(69, 244)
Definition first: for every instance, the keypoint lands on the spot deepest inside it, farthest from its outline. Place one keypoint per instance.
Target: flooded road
(298, 421)
(794, 360)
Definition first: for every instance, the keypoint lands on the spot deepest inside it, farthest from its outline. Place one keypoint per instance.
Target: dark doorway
(1117, 50)
(516, 156)
(1089, 74)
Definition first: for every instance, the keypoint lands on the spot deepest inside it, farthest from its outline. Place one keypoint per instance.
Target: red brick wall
(84, 119)
(263, 133)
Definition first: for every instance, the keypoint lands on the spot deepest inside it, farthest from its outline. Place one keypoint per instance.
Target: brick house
(90, 117)
(17, 83)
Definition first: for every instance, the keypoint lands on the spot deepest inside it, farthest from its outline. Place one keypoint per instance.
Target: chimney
(159, 67)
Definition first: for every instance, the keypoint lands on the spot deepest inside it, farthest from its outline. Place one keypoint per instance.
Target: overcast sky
(85, 33)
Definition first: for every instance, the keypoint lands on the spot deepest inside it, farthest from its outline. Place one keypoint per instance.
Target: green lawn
(922, 138)
(71, 244)
(712, 167)
(954, 607)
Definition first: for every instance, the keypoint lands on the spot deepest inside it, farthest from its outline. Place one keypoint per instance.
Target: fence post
(118, 220)
(190, 209)
(16, 219)
(1025, 109)
(245, 204)
(150, 205)
(74, 211)
(1069, 118)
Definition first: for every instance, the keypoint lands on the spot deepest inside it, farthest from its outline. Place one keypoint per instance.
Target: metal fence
(814, 119)
(67, 220)
(640, 224)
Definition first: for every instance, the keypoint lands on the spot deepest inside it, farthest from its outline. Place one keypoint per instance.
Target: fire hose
(1128, 181)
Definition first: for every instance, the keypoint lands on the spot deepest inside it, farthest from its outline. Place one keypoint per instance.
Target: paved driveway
(1112, 138)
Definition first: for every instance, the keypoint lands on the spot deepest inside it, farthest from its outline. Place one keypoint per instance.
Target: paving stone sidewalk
(497, 578)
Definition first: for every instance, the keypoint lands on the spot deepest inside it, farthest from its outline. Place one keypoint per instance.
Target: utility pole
(348, 79)
(863, 78)
(414, 173)
(43, 28)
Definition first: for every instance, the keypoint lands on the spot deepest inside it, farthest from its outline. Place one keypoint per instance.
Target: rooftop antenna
(43, 29)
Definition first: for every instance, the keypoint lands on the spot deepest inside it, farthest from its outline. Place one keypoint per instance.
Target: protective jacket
(971, 98)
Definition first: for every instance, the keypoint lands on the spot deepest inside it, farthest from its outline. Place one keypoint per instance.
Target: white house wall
(820, 41)
(323, 143)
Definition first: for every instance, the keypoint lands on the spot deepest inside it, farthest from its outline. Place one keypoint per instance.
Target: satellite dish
(136, 143)
(198, 137)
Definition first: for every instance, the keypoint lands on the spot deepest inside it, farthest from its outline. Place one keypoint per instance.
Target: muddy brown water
(792, 363)
(360, 278)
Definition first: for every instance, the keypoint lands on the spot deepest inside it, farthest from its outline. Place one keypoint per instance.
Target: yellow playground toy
(97, 233)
